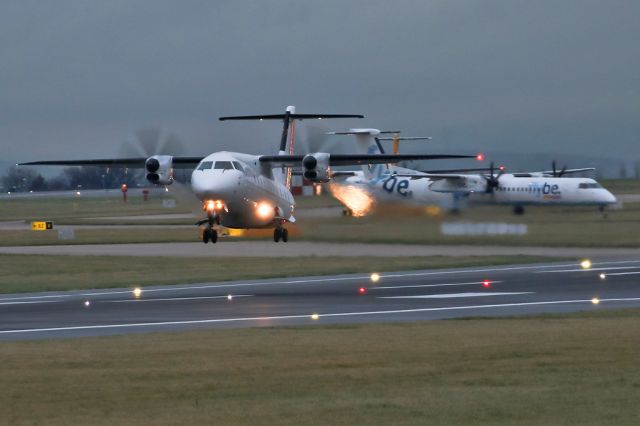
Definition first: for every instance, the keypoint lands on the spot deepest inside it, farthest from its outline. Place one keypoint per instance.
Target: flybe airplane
(453, 188)
(244, 191)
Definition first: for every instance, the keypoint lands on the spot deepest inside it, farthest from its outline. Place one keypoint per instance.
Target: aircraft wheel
(285, 235)
(206, 235)
(214, 236)
(277, 234)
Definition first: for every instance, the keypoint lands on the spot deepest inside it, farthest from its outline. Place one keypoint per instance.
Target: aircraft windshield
(205, 165)
(238, 165)
(223, 165)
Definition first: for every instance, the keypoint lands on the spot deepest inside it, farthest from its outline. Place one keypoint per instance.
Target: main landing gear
(280, 233)
(518, 210)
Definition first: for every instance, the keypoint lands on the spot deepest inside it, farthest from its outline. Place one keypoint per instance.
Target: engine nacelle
(316, 167)
(160, 169)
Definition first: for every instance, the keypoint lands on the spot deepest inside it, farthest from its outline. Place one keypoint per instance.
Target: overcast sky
(77, 78)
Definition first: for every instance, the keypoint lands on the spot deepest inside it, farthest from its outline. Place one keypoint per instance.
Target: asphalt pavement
(357, 298)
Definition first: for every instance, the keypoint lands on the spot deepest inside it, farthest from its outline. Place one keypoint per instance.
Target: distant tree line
(25, 179)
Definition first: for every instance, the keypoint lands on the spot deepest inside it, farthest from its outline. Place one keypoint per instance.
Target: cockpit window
(589, 185)
(238, 165)
(223, 165)
(205, 165)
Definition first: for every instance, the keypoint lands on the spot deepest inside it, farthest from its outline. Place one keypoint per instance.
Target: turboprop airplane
(245, 191)
(451, 188)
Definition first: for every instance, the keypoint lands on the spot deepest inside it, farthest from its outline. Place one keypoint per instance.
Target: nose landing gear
(280, 233)
(210, 233)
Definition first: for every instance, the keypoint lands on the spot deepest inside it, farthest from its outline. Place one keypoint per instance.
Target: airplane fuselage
(512, 190)
(250, 194)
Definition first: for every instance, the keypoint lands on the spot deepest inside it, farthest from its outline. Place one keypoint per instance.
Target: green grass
(551, 226)
(552, 370)
(70, 209)
(27, 273)
(622, 186)
(548, 226)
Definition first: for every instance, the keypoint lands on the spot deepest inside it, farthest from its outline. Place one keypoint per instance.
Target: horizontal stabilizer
(291, 116)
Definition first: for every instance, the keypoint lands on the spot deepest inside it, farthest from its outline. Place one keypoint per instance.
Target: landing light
(375, 277)
(585, 264)
(264, 210)
(595, 301)
(137, 292)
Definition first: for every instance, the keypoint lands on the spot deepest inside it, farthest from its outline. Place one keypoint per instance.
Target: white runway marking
(588, 269)
(174, 299)
(624, 273)
(431, 285)
(320, 316)
(456, 295)
(28, 302)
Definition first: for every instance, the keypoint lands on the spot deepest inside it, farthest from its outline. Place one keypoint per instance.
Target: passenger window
(205, 165)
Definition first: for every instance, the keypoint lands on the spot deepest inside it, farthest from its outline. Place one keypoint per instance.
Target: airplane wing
(565, 171)
(355, 159)
(432, 176)
(334, 173)
(177, 162)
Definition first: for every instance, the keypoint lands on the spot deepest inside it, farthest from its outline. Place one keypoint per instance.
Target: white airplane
(451, 188)
(244, 191)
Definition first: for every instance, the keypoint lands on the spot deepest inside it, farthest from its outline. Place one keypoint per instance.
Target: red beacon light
(502, 168)
(480, 157)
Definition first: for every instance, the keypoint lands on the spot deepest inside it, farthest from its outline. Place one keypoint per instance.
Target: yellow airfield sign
(41, 226)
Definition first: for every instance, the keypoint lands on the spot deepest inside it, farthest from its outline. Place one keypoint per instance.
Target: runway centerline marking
(29, 302)
(431, 285)
(588, 269)
(456, 295)
(172, 299)
(287, 317)
(623, 273)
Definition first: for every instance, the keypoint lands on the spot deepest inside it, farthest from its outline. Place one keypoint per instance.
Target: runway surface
(397, 296)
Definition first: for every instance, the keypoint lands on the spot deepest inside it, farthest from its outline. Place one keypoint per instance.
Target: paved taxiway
(396, 296)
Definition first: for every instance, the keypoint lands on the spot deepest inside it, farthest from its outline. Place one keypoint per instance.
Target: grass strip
(557, 369)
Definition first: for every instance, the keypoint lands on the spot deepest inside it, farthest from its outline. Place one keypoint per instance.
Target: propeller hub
(152, 165)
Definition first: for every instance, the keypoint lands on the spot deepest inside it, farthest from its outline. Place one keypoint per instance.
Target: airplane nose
(609, 198)
(213, 185)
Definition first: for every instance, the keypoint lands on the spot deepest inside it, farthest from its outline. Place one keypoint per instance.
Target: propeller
(152, 141)
(555, 172)
(493, 180)
(312, 138)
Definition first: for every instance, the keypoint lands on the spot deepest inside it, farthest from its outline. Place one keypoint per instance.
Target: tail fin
(288, 120)
(367, 141)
